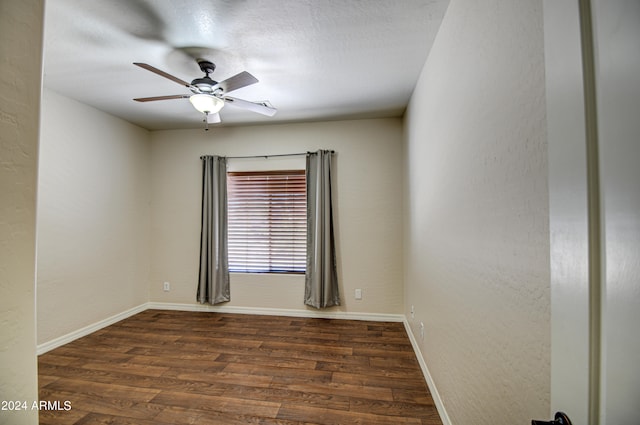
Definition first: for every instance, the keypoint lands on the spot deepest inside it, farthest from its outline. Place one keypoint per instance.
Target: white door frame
(574, 211)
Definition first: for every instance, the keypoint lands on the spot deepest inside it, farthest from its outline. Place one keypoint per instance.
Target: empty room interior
(481, 260)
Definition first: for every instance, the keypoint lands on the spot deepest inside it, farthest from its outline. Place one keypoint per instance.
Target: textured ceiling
(315, 59)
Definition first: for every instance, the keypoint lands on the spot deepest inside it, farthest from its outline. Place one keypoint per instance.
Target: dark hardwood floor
(168, 367)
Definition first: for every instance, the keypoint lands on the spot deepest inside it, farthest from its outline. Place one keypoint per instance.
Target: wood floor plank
(165, 383)
(409, 362)
(73, 416)
(346, 390)
(412, 396)
(319, 357)
(381, 352)
(220, 340)
(285, 362)
(169, 363)
(60, 359)
(261, 370)
(328, 416)
(377, 381)
(79, 354)
(315, 348)
(305, 334)
(219, 378)
(129, 368)
(221, 404)
(97, 389)
(103, 403)
(183, 368)
(175, 352)
(384, 371)
(325, 399)
(390, 408)
(182, 416)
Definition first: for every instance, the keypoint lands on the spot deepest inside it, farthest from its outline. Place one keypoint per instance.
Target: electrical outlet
(166, 287)
(422, 331)
(358, 294)
(413, 313)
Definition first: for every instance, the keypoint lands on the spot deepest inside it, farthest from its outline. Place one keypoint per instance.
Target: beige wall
(20, 82)
(368, 206)
(476, 222)
(93, 216)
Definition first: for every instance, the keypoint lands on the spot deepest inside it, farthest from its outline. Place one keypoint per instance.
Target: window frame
(272, 202)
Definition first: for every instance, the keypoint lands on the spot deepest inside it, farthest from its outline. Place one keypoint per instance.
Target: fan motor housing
(204, 84)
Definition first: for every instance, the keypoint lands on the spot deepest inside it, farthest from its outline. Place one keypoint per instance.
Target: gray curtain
(321, 280)
(213, 281)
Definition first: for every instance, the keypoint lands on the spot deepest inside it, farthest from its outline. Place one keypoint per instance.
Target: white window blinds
(267, 221)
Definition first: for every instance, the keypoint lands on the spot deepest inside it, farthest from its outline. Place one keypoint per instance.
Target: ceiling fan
(209, 96)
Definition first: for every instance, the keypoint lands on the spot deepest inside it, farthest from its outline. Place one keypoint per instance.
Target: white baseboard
(72, 336)
(374, 317)
(444, 416)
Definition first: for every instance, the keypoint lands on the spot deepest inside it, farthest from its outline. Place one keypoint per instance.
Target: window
(267, 221)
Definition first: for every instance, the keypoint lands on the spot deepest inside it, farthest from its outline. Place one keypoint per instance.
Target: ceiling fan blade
(264, 107)
(236, 82)
(162, 74)
(151, 99)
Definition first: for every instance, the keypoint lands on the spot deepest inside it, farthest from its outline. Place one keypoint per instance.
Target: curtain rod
(270, 156)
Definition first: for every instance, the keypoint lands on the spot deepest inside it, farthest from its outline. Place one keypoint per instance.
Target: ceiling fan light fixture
(206, 103)
(210, 96)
